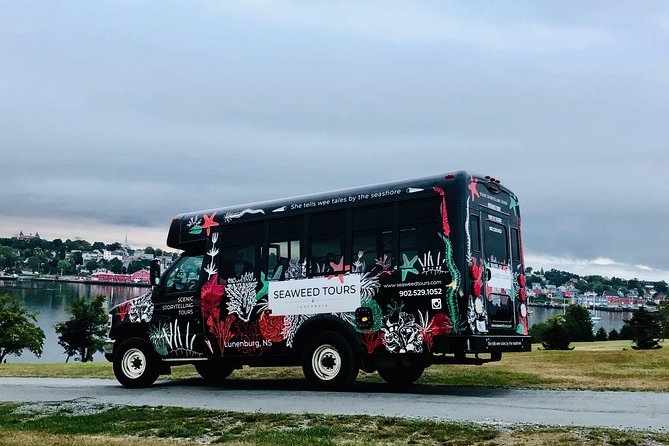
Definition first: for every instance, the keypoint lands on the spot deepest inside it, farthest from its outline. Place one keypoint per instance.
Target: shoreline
(85, 282)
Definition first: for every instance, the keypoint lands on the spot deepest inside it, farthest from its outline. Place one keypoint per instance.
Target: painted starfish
(209, 223)
(339, 267)
(472, 188)
(408, 266)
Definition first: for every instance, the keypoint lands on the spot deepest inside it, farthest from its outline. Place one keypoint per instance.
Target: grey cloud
(131, 115)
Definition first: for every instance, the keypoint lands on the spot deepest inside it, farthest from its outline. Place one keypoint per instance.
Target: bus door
(498, 277)
(178, 329)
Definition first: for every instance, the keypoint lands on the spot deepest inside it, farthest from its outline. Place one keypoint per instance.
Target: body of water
(610, 319)
(49, 300)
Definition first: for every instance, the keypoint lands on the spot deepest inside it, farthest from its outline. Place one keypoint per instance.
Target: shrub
(578, 324)
(601, 335)
(645, 330)
(555, 335)
(614, 335)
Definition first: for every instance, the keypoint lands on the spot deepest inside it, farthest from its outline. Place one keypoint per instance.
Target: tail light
(523, 295)
(476, 289)
(475, 272)
(522, 281)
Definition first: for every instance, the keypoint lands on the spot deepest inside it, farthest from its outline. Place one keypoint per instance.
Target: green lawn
(77, 423)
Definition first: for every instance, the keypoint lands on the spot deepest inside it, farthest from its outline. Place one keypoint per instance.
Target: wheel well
(321, 323)
(126, 331)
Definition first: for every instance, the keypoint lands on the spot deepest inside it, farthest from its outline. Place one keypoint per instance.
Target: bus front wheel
(401, 376)
(329, 362)
(136, 364)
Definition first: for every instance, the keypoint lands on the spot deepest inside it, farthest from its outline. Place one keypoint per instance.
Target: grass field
(77, 423)
(611, 365)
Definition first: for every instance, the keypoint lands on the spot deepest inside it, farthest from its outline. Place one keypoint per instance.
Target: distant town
(556, 288)
(30, 256)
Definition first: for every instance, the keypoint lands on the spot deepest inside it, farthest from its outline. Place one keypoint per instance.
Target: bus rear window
(474, 233)
(515, 246)
(496, 243)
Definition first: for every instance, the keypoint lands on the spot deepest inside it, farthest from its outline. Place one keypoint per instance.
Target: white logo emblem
(436, 304)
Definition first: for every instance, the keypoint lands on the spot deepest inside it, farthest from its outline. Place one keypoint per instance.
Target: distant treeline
(51, 256)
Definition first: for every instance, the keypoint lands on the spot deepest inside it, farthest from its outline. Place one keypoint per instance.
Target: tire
(329, 362)
(214, 373)
(401, 376)
(136, 364)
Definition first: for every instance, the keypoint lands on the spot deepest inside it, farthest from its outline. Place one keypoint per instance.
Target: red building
(141, 276)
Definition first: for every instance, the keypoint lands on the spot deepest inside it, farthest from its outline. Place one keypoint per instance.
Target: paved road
(640, 410)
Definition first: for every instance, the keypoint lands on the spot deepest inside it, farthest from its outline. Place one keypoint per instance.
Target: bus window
(368, 246)
(327, 240)
(280, 256)
(420, 229)
(239, 260)
(515, 245)
(284, 247)
(408, 243)
(372, 236)
(474, 233)
(327, 254)
(496, 243)
(240, 250)
(185, 276)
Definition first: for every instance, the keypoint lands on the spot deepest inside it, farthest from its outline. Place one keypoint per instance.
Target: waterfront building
(24, 237)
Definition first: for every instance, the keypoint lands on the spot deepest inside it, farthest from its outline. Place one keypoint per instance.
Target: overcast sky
(115, 116)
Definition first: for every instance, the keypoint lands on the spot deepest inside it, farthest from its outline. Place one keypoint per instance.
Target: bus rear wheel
(136, 364)
(214, 373)
(329, 362)
(402, 375)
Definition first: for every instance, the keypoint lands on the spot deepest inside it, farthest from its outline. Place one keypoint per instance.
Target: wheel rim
(133, 363)
(326, 362)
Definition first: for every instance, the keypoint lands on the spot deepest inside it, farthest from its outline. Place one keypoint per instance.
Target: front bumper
(109, 349)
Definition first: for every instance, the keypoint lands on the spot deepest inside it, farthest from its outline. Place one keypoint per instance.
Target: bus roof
(189, 230)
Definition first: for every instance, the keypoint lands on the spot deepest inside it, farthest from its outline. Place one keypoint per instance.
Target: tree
(578, 324)
(92, 265)
(83, 334)
(99, 246)
(663, 319)
(601, 335)
(626, 333)
(7, 257)
(65, 267)
(116, 266)
(644, 329)
(18, 330)
(555, 335)
(135, 266)
(614, 335)
(538, 331)
(78, 258)
(661, 287)
(149, 250)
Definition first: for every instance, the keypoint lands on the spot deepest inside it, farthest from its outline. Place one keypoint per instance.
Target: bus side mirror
(154, 272)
